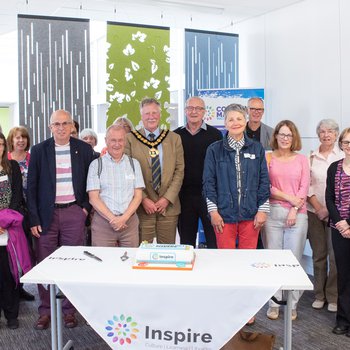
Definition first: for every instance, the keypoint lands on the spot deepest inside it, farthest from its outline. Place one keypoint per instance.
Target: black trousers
(9, 293)
(341, 247)
(193, 208)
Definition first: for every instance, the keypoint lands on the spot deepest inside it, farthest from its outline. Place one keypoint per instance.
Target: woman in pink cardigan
(286, 224)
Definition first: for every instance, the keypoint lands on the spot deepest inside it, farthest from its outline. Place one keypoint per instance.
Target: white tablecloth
(187, 310)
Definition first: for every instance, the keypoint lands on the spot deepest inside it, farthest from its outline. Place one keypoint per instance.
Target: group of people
(249, 187)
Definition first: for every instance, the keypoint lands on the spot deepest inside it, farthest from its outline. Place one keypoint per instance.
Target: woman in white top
(319, 233)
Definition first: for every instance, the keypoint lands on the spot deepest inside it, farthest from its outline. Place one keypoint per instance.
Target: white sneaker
(294, 314)
(273, 313)
(318, 304)
(332, 307)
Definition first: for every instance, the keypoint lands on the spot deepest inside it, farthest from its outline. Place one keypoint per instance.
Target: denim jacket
(220, 179)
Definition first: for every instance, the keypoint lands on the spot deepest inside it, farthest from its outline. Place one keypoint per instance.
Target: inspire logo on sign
(122, 329)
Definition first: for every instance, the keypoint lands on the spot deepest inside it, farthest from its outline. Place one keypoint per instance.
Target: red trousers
(243, 232)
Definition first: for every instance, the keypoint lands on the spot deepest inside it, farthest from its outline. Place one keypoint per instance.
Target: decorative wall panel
(54, 71)
(211, 61)
(138, 65)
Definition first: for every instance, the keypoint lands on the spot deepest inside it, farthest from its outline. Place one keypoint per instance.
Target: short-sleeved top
(291, 177)
(117, 181)
(318, 174)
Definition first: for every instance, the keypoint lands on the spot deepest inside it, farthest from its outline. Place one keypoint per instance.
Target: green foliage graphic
(138, 65)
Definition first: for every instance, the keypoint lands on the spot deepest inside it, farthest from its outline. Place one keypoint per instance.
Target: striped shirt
(342, 193)
(64, 182)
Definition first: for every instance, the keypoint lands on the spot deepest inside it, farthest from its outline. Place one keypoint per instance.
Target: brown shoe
(42, 323)
(70, 321)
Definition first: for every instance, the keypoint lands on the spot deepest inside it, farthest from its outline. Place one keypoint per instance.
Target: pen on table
(90, 255)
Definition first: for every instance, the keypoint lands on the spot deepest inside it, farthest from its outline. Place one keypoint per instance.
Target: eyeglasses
(285, 136)
(57, 124)
(197, 109)
(345, 143)
(260, 110)
(325, 132)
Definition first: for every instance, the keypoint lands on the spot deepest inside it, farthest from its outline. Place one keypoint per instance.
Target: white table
(198, 309)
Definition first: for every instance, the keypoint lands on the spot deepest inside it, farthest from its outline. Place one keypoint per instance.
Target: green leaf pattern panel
(138, 66)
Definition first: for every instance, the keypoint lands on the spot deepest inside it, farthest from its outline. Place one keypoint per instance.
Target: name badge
(130, 177)
(4, 178)
(248, 155)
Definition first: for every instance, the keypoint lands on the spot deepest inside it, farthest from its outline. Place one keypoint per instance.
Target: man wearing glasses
(257, 130)
(196, 136)
(57, 200)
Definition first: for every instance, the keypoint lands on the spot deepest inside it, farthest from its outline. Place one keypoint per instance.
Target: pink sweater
(291, 177)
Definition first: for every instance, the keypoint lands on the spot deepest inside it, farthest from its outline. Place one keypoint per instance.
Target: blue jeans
(276, 235)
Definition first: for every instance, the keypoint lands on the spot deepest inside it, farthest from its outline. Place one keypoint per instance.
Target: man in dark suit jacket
(57, 200)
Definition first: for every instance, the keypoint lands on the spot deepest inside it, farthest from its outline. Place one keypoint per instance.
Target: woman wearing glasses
(286, 224)
(338, 205)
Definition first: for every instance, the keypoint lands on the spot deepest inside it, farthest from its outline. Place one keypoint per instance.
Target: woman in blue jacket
(236, 184)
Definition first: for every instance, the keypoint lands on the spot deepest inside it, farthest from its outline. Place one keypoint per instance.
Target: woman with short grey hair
(90, 137)
(319, 233)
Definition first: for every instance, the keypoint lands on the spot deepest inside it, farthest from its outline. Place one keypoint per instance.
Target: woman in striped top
(338, 205)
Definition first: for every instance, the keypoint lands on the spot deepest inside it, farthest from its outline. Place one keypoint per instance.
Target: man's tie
(156, 171)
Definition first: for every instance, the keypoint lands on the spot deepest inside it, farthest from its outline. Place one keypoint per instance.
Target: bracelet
(296, 208)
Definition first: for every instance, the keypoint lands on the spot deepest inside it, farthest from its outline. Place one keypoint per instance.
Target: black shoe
(341, 330)
(24, 295)
(12, 323)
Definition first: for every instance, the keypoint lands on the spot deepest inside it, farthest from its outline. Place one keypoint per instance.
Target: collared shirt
(253, 134)
(159, 147)
(203, 126)
(318, 174)
(116, 183)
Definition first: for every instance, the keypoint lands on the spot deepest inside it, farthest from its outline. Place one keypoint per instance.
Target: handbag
(250, 341)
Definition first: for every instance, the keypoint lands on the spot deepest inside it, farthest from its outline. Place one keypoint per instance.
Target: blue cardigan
(220, 180)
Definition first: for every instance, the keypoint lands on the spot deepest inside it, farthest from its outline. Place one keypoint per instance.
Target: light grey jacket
(265, 136)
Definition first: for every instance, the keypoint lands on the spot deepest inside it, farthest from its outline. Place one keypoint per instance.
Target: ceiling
(181, 13)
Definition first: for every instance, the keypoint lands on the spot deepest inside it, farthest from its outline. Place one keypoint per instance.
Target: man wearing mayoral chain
(160, 155)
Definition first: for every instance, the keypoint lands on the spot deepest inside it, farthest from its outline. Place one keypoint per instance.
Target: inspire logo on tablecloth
(122, 329)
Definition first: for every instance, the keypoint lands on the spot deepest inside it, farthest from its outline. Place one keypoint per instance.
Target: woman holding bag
(14, 254)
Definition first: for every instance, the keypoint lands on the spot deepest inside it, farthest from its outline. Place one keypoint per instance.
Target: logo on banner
(122, 329)
(210, 114)
(220, 112)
